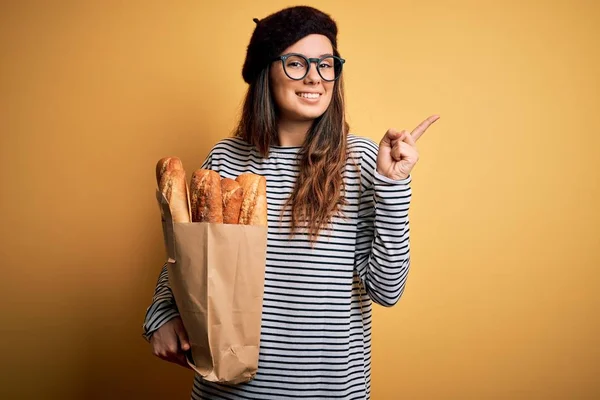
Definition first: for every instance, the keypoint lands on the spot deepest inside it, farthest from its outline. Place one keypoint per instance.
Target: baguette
(167, 164)
(205, 196)
(254, 203)
(233, 194)
(173, 186)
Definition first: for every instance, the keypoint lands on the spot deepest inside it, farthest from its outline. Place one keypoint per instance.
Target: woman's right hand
(170, 342)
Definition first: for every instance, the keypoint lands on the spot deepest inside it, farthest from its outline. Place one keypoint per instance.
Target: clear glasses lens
(295, 67)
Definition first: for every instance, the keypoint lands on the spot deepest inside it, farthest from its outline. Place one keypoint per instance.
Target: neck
(292, 133)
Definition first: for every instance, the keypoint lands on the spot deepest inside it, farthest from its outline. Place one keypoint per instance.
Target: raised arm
(383, 245)
(383, 237)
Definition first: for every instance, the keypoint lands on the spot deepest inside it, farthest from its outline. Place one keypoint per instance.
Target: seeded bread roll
(173, 185)
(233, 194)
(205, 196)
(167, 164)
(254, 204)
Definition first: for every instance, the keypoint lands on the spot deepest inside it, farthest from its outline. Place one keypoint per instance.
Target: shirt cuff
(384, 179)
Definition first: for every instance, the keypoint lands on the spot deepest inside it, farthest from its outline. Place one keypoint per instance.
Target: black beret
(278, 31)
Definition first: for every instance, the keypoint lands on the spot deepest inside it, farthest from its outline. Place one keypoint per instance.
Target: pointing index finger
(420, 130)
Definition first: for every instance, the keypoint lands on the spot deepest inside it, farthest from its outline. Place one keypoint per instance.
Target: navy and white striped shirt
(316, 322)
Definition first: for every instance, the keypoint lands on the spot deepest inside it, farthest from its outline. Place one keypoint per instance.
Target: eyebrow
(322, 55)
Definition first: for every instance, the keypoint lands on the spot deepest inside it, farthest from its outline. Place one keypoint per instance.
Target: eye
(295, 62)
(325, 64)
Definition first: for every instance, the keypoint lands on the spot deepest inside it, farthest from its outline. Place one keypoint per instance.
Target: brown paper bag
(216, 272)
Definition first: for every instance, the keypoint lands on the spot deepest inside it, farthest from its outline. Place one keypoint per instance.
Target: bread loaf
(173, 186)
(167, 164)
(233, 194)
(254, 203)
(205, 196)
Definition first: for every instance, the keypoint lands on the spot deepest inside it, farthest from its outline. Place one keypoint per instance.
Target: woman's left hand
(398, 151)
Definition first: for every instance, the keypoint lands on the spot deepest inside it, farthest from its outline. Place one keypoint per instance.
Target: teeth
(309, 95)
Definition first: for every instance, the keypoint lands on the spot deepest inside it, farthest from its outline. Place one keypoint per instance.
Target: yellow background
(502, 299)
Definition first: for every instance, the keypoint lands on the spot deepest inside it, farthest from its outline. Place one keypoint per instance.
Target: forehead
(311, 46)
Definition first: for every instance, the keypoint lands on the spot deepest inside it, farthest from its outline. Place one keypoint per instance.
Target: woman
(338, 235)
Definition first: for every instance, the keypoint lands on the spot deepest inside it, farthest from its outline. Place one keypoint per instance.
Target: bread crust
(254, 203)
(167, 164)
(233, 194)
(205, 197)
(173, 186)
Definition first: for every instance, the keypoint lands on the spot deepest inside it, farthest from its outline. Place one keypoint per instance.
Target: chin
(310, 112)
(310, 116)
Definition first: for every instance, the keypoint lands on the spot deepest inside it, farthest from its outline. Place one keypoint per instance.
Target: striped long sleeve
(163, 307)
(382, 243)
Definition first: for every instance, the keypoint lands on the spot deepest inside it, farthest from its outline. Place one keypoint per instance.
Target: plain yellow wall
(502, 301)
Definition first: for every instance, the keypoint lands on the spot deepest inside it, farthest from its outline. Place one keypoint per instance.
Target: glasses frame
(309, 62)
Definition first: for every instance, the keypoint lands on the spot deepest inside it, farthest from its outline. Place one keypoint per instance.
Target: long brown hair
(318, 193)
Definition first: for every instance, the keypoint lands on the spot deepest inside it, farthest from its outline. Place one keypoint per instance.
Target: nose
(313, 77)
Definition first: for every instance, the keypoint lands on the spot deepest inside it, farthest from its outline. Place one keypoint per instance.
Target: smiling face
(306, 99)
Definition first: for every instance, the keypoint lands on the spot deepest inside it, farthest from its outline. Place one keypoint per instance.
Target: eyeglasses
(296, 66)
